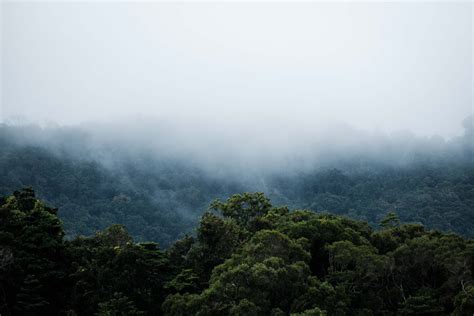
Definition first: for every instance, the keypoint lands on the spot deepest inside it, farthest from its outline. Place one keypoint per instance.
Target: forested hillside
(247, 258)
(160, 198)
(439, 196)
(157, 200)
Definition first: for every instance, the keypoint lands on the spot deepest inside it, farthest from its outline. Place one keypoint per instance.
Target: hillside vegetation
(161, 199)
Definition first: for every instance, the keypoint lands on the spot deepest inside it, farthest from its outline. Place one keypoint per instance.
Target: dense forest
(160, 198)
(246, 258)
(140, 231)
(243, 159)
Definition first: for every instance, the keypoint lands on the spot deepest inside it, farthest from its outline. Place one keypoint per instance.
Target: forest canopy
(247, 257)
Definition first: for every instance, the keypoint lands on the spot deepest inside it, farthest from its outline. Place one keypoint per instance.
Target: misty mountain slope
(159, 196)
(155, 200)
(90, 198)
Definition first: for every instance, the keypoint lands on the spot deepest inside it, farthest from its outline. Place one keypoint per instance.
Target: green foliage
(185, 282)
(137, 270)
(32, 271)
(119, 305)
(310, 312)
(248, 258)
(390, 220)
(217, 238)
(464, 301)
(423, 302)
(437, 194)
(244, 209)
(302, 263)
(29, 299)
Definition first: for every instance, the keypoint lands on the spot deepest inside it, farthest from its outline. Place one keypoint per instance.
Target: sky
(277, 69)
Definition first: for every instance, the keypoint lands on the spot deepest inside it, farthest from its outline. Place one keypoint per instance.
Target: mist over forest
(367, 228)
(236, 158)
(238, 151)
(157, 181)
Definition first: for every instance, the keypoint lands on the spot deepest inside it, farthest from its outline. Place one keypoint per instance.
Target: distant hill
(160, 199)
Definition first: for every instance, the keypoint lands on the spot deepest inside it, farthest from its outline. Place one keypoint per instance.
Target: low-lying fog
(220, 151)
(239, 87)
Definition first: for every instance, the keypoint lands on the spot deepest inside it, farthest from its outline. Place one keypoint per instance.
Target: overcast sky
(274, 67)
